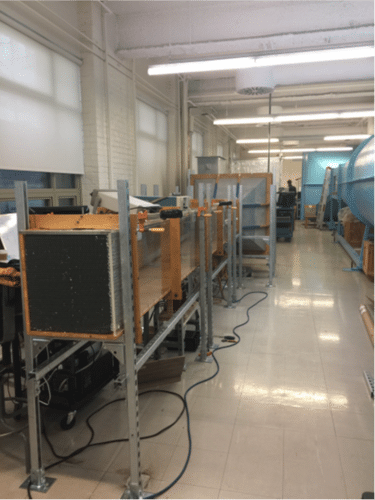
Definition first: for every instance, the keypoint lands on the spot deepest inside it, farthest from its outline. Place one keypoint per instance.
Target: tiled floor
(288, 416)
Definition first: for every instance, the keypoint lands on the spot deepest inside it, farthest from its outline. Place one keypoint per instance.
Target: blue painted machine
(355, 188)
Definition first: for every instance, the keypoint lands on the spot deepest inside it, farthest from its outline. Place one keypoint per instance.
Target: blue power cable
(155, 495)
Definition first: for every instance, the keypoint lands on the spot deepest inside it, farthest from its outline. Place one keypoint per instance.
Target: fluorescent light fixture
(255, 141)
(294, 118)
(312, 56)
(292, 158)
(300, 150)
(348, 148)
(307, 117)
(357, 114)
(244, 121)
(353, 137)
(259, 151)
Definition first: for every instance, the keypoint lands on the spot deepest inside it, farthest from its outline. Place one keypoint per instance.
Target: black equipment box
(81, 377)
(72, 284)
(192, 339)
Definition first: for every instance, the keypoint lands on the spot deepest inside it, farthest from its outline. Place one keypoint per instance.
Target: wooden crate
(368, 258)
(353, 233)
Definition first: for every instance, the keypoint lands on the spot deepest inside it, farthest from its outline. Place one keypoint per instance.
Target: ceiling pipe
(278, 42)
(275, 97)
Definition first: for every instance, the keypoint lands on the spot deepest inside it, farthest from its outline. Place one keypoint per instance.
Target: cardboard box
(353, 233)
(368, 258)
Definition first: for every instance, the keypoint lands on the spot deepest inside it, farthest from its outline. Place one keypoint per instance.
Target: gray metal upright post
(37, 479)
(234, 254)
(202, 276)
(229, 250)
(190, 191)
(240, 256)
(209, 273)
(134, 489)
(272, 240)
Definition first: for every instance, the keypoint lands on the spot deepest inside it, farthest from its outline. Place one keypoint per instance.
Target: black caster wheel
(289, 240)
(69, 421)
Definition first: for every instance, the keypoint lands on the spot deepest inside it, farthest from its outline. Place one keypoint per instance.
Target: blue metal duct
(357, 182)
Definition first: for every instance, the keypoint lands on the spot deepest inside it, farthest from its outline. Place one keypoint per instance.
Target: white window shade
(152, 135)
(40, 107)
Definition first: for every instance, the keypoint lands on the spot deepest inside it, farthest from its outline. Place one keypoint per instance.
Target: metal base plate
(145, 478)
(352, 269)
(208, 359)
(34, 487)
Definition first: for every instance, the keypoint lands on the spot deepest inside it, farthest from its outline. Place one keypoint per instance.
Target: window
(43, 189)
(152, 143)
(196, 150)
(40, 107)
(35, 180)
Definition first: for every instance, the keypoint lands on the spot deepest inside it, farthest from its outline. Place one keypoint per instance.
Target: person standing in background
(291, 187)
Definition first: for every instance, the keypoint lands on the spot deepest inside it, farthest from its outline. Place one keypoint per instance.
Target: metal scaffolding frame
(123, 348)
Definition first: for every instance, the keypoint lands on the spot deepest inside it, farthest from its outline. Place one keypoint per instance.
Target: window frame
(52, 194)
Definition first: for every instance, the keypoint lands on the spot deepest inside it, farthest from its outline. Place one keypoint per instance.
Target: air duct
(258, 82)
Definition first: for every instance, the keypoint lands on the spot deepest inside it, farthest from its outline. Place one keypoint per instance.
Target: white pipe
(184, 132)
(105, 7)
(178, 138)
(252, 100)
(107, 103)
(154, 91)
(62, 30)
(136, 177)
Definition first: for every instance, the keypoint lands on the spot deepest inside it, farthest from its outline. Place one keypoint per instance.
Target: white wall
(109, 90)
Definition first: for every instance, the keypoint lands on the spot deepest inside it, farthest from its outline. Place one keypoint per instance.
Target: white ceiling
(178, 30)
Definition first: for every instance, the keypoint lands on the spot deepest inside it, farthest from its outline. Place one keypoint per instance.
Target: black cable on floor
(92, 431)
(161, 492)
(29, 490)
(185, 407)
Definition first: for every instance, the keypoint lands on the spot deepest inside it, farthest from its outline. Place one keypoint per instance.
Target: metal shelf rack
(124, 347)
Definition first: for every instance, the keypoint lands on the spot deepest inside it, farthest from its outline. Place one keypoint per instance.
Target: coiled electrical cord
(155, 495)
(185, 408)
(90, 444)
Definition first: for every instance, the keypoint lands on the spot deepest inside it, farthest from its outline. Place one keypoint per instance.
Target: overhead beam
(303, 40)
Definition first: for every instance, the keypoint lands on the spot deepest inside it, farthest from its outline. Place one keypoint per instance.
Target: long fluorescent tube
(262, 61)
(335, 149)
(294, 118)
(304, 150)
(299, 150)
(357, 114)
(257, 151)
(307, 117)
(255, 141)
(292, 157)
(353, 137)
(244, 121)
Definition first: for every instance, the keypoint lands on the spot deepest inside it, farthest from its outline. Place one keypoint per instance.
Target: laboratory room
(187, 249)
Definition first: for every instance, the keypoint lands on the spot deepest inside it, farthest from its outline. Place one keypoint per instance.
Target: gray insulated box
(72, 281)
